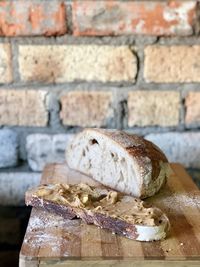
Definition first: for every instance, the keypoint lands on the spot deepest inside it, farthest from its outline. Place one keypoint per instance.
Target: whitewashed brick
(13, 186)
(9, 148)
(43, 149)
(179, 147)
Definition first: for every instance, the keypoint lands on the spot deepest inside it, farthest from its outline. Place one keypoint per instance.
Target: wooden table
(52, 241)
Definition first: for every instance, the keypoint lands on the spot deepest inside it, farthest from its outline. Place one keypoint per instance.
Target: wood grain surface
(51, 240)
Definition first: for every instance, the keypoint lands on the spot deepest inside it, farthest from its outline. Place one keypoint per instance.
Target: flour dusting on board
(177, 202)
(183, 200)
(51, 232)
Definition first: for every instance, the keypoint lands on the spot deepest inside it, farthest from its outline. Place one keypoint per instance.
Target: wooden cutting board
(53, 241)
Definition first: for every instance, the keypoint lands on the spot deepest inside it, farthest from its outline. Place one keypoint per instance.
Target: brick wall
(132, 65)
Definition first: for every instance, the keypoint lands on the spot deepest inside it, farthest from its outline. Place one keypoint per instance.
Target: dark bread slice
(61, 210)
(105, 208)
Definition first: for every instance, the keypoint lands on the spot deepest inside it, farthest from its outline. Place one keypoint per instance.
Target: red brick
(86, 109)
(150, 108)
(133, 17)
(21, 18)
(6, 75)
(192, 104)
(23, 108)
(172, 64)
(68, 63)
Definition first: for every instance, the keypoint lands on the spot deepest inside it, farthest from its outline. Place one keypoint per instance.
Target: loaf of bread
(103, 207)
(125, 162)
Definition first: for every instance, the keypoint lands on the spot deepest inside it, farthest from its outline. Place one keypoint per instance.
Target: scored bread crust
(149, 165)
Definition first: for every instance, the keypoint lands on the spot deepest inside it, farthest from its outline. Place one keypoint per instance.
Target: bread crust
(143, 151)
(150, 159)
(139, 148)
(103, 220)
(61, 210)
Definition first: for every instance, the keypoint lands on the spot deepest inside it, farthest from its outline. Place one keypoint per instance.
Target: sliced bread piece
(105, 208)
(122, 161)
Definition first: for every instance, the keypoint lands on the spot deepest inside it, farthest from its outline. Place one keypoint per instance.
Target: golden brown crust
(139, 148)
(147, 167)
